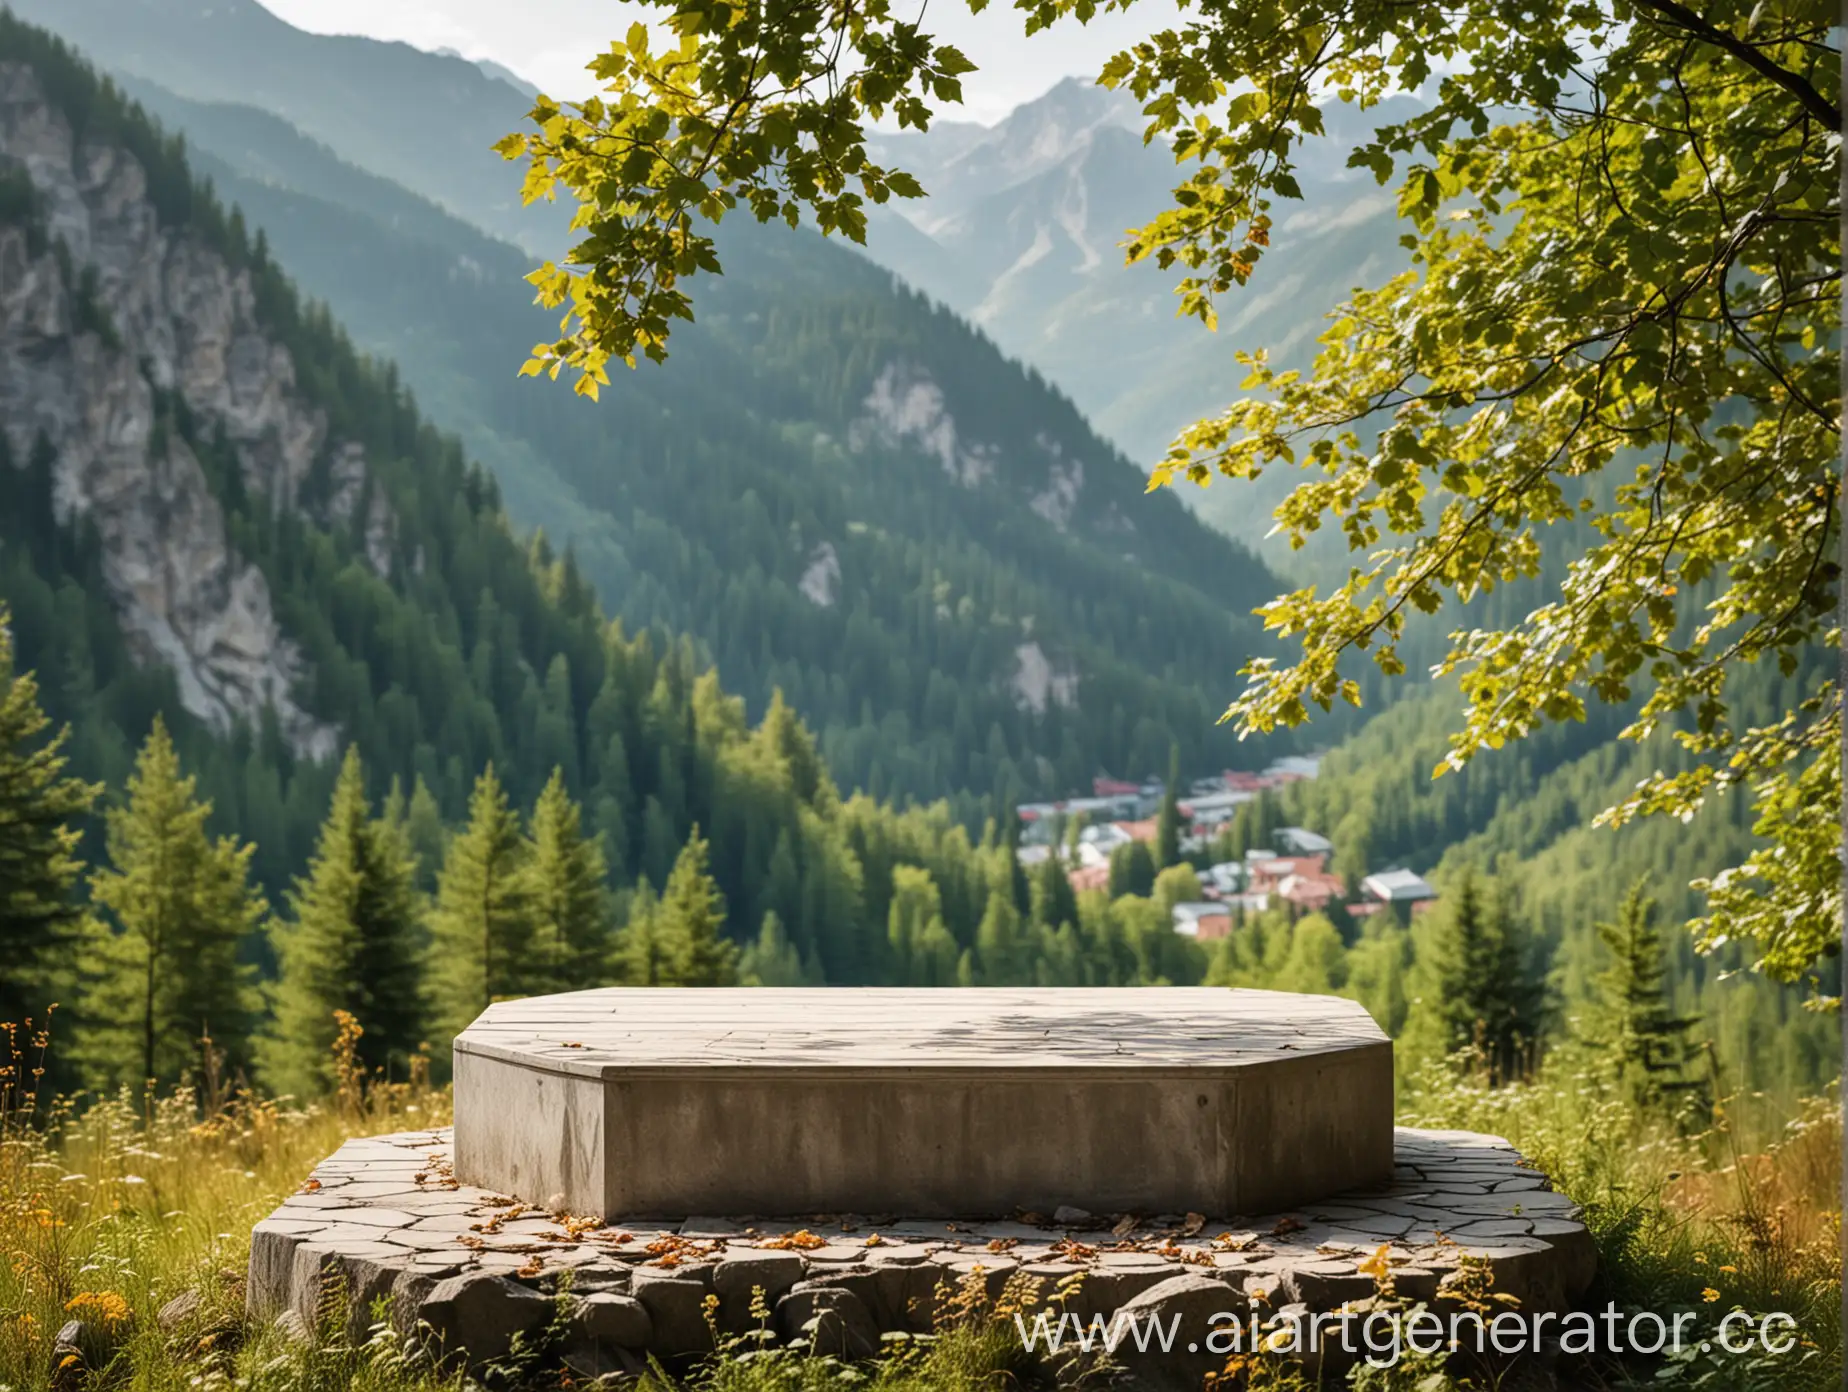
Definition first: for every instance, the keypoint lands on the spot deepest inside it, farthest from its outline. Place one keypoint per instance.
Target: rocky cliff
(104, 313)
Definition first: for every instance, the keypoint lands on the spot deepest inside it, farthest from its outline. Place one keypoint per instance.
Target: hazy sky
(549, 41)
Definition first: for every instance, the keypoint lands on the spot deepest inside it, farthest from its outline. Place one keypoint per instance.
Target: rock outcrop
(104, 313)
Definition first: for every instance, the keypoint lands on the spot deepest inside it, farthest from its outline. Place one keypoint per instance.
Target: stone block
(922, 1103)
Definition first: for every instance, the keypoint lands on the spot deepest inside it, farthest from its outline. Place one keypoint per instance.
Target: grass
(112, 1206)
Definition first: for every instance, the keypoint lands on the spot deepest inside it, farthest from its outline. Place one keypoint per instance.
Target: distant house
(1295, 767)
(1311, 892)
(1270, 872)
(1034, 854)
(1397, 887)
(1300, 841)
(1145, 830)
(1213, 809)
(1114, 788)
(1090, 877)
(1228, 877)
(1106, 836)
(1203, 921)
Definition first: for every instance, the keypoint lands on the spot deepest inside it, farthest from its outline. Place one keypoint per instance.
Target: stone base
(385, 1218)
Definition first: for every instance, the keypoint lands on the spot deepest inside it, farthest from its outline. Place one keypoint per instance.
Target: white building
(1397, 887)
(1300, 841)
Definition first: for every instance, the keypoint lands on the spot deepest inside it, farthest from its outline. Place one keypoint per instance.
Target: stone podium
(856, 1161)
(928, 1103)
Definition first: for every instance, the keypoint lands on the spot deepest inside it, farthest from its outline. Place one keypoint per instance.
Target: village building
(1300, 841)
(1397, 887)
(1204, 921)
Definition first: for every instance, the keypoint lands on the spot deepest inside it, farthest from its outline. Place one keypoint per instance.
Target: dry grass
(1731, 1210)
(110, 1207)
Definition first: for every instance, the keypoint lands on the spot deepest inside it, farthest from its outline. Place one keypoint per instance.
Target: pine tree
(1486, 992)
(687, 925)
(40, 918)
(481, 923)
(352, 944)
(1001, 956)
(1053, 900)
(566, 897)
(1132, 870)
(638, 953)
(1642, 1038)
(772, 960)
(427, 833)
(1019, 891)
(182, 907)
(1168, 823)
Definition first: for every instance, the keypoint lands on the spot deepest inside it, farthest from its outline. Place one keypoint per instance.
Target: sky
(548, 42)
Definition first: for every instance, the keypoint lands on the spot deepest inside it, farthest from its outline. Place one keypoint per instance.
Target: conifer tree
(772, 960)
(1483, 983)
(1001, 957)
(1168, 823)
(686, 926)
(566, 896)
(1132, 870)
(1019, 891)
(352, 944)
(481, 924)
(1641, 1036)
(182, 907)
(426, 833)
(40, 918)
(638, 953)
(1053, 900)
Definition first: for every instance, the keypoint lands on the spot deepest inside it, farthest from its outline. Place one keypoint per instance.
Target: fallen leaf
(801, 1240)
(1194, 1222)
(1125, 1225)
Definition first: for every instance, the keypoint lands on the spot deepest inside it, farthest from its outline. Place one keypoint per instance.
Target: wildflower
(1710, 1295)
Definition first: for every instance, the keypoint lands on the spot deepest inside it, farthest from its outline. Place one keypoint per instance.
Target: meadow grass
(112, 1206)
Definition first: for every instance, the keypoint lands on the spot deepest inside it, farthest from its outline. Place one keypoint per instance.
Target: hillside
(1022, 232)
(836, 488)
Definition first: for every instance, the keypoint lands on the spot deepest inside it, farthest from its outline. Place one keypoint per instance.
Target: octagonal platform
(925, 1103)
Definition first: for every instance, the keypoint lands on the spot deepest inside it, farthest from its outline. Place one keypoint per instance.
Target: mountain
(422, 120)
(1022, 232)
(836, 487)
(214, 511)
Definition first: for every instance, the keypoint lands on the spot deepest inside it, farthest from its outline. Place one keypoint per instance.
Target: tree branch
(1796, 84)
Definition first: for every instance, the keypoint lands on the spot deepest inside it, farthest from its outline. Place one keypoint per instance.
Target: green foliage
(1132, 870)
(42, 810)
(1637, 1031)
(1478, 988)
(352, 942)
(566, 897)
(676, 940)
(480, 924)
(1168, 822)
(1586, 306)
(179, 909)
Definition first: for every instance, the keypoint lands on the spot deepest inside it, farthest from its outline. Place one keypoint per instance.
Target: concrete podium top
(1151, 1031)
